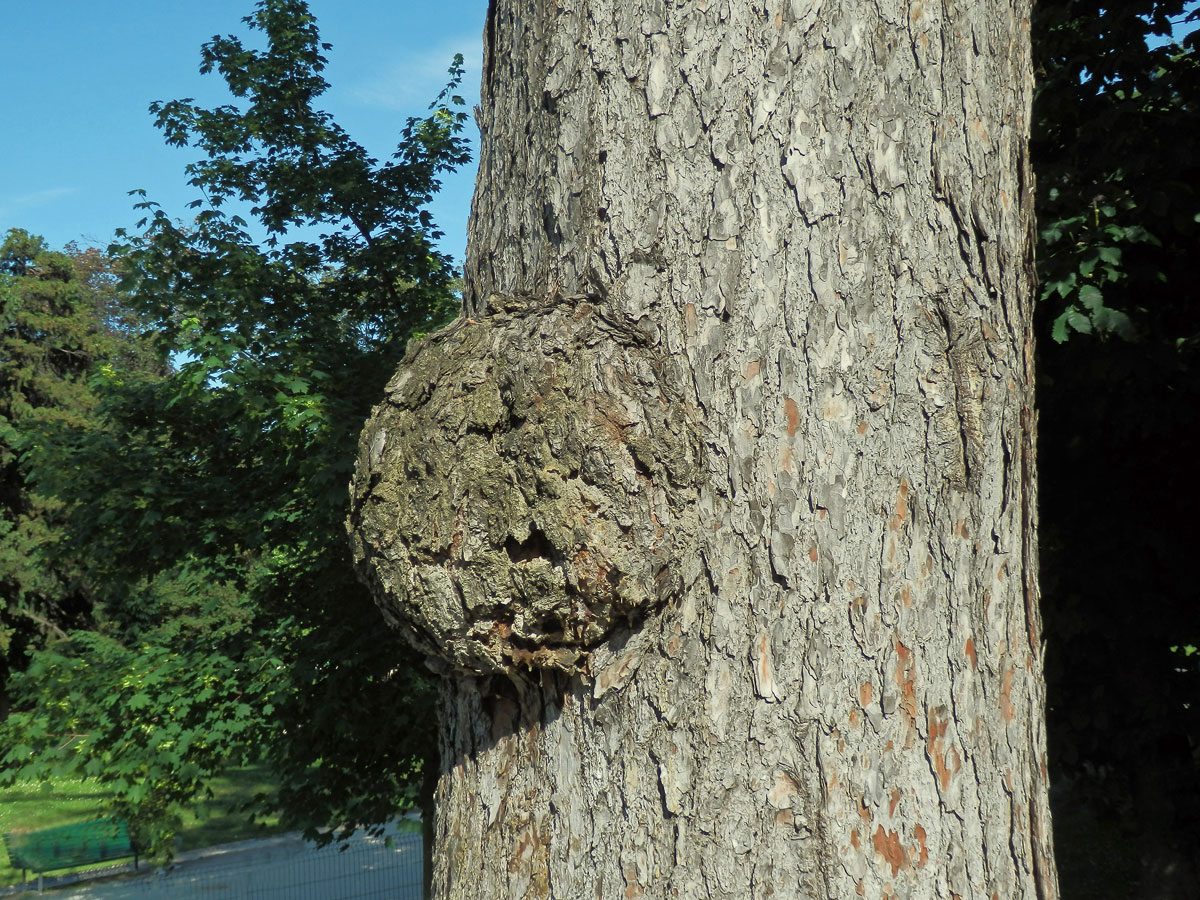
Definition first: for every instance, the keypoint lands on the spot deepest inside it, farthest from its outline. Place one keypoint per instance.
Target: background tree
(718, 506)
(1117, 130)
(234, 468)
(60, 319)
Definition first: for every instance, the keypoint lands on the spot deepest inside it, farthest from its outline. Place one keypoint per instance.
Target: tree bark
(717, 507)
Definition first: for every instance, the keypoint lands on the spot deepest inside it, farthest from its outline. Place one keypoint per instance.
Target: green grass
(29, 807)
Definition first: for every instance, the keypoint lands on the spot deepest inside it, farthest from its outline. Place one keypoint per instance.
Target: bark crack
(489, 46)
(966, 404)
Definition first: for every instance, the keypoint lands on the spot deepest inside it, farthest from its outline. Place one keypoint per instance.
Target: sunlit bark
(717, 507)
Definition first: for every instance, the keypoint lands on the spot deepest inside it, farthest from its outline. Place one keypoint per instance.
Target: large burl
(527, 487)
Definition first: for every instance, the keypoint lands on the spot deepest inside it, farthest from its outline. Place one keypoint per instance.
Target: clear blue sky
(75, 134)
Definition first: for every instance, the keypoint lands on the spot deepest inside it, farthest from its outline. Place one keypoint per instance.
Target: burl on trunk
(716, 508)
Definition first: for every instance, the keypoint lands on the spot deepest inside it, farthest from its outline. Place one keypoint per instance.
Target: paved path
(280, 868)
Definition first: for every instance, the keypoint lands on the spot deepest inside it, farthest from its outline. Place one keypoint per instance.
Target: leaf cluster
(153, 719)
(61, 323)
(1116, 123)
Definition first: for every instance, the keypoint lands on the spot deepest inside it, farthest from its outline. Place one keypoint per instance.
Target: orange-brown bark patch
(786, 462)
(526, 849)
(782, 791)
(752, 369)
(632, 887)
(970, 651)
(812, 553)
(906, 679)
(901, 506)
(862, 427)
(887, 845)
(854, 838)
(863, 812)
(792, 411)
(980, 130)
(946, 761)
(893, 802)
(1006, 707)
(923, 850)
(865, 692)
(610, 427)
(765, 673)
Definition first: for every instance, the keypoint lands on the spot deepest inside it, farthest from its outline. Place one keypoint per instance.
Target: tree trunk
(717, 507)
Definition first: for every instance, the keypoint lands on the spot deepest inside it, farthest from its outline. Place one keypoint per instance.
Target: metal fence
(364, 869)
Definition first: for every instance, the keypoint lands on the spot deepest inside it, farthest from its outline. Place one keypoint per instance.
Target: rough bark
(717, 507)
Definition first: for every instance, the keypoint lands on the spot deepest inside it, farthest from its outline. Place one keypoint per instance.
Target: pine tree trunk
(717, 507)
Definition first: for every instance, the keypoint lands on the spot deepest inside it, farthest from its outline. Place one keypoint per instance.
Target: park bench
(69, 845)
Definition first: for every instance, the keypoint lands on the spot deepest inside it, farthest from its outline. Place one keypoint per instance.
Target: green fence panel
(69, 845)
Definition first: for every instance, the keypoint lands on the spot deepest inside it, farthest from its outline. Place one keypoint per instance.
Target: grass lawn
(66, 801)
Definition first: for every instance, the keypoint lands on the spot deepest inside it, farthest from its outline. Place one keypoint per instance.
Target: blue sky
(75, 134)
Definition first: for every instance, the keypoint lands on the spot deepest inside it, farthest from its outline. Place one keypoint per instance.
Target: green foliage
(1089, 252)
(1116, 126)
(1117, 123)
(151, 709)
(234, 467)
(60, 318)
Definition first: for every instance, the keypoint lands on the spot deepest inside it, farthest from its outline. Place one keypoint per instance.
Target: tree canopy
(210, 506)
